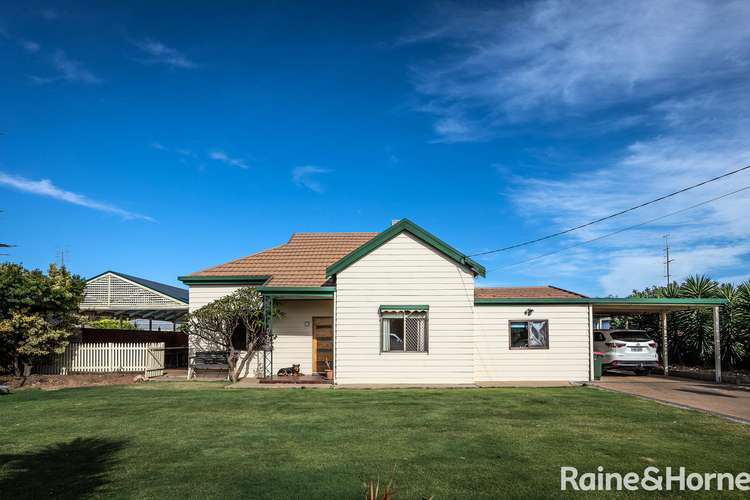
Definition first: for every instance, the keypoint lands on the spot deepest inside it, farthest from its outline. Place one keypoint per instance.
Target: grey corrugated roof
(176, 293)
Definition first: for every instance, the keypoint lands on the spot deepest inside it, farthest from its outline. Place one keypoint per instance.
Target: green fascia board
(223, 280)
(318, 291)
(605, 300)
(395, 230)
(417, 307)
(678, 301)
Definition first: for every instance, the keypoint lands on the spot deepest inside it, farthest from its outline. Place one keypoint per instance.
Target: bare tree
(234, 324)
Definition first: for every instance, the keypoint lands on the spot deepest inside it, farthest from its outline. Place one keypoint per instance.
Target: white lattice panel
(96, 292)
(111, 290)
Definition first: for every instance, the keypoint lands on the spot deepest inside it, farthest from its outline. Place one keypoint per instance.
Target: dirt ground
(51, 382)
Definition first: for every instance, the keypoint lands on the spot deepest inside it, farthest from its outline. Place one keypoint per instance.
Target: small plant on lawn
(373, 491)
(38, 314)
(219, 325)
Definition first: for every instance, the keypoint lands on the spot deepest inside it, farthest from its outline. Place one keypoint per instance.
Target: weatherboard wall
(404, 271)
(567, 357)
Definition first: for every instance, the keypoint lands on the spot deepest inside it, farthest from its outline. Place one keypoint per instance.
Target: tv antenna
(667, 260)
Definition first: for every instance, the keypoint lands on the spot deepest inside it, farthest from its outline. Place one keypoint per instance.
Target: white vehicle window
(630, 336)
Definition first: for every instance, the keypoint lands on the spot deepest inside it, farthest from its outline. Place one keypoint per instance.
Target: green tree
(690, 333)
(217, 326)
(38, 314)
(111, 324)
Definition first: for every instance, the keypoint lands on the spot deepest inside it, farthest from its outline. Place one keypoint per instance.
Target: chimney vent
(394, 221)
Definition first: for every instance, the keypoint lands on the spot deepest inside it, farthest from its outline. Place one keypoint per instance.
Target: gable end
(405, 225)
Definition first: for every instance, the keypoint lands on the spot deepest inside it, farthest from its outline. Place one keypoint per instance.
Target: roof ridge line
(568, 291)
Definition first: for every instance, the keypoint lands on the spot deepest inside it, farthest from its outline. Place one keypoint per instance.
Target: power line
(622, 230)
(517, 245)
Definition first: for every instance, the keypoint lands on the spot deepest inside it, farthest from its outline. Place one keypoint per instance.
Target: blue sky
(157, 140)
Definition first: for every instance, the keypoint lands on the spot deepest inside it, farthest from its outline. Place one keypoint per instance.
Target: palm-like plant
(693, 330)
(690, 333)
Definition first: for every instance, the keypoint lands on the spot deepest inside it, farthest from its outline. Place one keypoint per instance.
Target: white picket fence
(107, 357)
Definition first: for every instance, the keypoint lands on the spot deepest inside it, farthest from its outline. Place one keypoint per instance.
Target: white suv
(627, 349)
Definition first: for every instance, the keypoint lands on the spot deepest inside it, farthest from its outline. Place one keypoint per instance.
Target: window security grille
(404, 331)
(414, 332)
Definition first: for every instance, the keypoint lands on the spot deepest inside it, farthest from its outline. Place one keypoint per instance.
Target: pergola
(662, 306)
(123, 296)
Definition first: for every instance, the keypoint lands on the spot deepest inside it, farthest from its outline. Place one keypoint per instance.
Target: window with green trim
(403, 331)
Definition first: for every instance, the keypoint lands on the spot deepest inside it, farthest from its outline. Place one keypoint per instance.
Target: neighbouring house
(401, 307)
(155, 309)
(118, 295)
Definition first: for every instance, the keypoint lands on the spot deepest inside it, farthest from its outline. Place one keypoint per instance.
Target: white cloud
(49, 14)
(629, 271)
(71, 70)
(672, 72)
(161, 54)
(224, 158)
(27, 45)
(68, 70)
(557, 59)
(704, 240)
(306, 176)
(30, 46)
(45, 187)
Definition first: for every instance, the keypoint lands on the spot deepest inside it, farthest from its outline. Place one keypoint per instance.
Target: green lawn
(178, 440)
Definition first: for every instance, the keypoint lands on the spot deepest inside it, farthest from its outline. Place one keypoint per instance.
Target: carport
(120, 295)
(661, 306)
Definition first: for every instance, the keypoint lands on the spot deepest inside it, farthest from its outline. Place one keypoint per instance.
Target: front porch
(302, 336)
(314, 379)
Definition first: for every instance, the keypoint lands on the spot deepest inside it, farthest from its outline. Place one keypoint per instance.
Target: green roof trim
(604, 300)
(224, 280)
(302, 291)
(408, 307)
(414, 230)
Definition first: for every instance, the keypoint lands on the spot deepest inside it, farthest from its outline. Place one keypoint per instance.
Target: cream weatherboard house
(401, 307)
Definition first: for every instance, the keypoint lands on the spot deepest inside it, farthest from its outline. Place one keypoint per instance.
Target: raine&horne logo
(652, 479)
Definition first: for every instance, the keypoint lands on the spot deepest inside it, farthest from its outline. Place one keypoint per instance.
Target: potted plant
(329, 370)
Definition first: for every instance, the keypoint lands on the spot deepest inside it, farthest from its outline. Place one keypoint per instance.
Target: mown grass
(198, 440)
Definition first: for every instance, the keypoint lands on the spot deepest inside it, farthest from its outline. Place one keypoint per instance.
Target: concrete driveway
(725, 400)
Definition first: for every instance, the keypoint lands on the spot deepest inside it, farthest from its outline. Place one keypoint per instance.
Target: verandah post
(717, 346)
(664, 347)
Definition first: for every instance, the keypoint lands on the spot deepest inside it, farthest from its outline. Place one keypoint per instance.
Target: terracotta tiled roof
(302, 261)
(525, 292)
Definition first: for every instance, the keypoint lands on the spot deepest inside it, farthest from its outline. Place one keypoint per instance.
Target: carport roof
(612, 304)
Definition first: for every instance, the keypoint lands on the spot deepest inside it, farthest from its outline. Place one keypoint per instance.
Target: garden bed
(51, 382)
